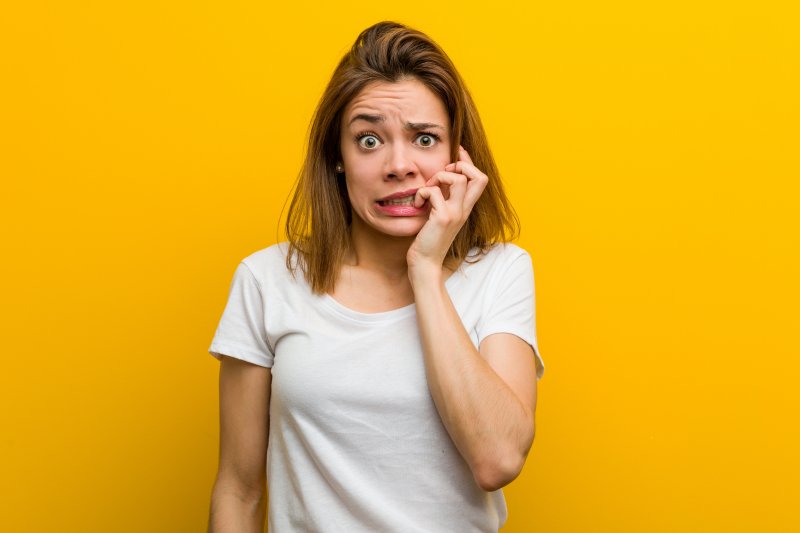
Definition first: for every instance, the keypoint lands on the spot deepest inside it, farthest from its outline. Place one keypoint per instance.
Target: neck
(377, 251)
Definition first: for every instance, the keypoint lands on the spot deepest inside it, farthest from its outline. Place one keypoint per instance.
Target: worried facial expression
(394, 137)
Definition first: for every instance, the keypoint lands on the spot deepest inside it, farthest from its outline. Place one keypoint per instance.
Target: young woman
(378, 370)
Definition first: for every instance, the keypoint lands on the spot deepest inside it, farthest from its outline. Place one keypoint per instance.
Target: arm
(238, 500)
(486, 399)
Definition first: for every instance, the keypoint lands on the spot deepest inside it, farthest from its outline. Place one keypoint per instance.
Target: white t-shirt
(355, 441)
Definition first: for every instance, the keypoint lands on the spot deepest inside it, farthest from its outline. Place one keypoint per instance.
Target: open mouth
(406, 200)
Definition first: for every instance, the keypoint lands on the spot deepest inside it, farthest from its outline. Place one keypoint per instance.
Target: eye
(428, 139)
(367, 140)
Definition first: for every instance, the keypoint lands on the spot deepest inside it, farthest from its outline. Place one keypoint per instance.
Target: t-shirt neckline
(383, 316)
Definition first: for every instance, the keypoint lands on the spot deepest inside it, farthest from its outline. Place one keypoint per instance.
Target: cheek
(359, 166)
(357, 189)
(432, 165)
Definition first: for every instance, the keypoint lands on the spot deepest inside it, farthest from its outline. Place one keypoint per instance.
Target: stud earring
(339, 168)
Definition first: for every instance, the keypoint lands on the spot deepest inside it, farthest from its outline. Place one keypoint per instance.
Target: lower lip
(401, 210)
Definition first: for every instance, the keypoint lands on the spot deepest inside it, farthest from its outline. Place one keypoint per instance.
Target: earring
(339, 168)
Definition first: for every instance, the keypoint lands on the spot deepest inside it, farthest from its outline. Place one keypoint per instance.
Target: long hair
(319, 217)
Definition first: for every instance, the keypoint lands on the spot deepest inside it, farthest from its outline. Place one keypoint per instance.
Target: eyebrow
(413, 126)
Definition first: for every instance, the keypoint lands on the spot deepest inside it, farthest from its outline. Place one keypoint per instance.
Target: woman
(380, 368)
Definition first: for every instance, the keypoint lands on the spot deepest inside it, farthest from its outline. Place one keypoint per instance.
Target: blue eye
(367, 140)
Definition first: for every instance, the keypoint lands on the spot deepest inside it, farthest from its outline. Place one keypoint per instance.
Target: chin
(400, 227)
(404, 230)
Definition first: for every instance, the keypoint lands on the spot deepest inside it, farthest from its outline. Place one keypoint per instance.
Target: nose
(399, 163)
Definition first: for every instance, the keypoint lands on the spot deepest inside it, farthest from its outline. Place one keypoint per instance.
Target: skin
(486, 397)
(375, 276)
(402, 159)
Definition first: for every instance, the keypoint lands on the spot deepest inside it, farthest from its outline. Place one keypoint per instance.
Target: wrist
(425, 275)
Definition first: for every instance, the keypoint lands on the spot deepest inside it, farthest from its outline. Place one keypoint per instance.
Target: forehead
(407, 99)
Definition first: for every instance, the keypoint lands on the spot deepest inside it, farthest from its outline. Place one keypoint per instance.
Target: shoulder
(268, 263)
(267, 256)
(508, 252)
(485, 270)
(497, 257)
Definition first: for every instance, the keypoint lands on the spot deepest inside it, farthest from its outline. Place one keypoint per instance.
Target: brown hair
(320, 214)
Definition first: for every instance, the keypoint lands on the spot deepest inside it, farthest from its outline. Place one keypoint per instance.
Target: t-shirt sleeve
(511, 305)
(241, 332)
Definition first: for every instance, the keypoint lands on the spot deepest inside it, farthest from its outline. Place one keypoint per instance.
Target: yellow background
(651, 149)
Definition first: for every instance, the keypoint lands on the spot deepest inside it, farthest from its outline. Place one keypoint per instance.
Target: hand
(464, 184)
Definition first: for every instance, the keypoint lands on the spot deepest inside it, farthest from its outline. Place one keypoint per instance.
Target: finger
(457, 185)
(445, 187)
(463, 155)
(434, 180)
(444, 177)
(464, 167)
(475, 188)
(423, 194)
(433, 195)
(477, 180)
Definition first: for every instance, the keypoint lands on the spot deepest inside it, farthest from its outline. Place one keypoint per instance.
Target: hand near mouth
(463, 184)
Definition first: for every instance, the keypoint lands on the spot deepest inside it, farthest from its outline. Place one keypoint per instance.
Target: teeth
(408, 200)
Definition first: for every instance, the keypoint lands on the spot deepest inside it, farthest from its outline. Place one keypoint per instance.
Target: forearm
(233, 512)
(487, 422)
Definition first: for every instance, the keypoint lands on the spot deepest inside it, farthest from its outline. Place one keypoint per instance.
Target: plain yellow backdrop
(650, 148)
